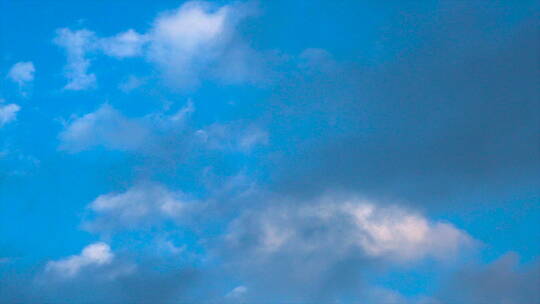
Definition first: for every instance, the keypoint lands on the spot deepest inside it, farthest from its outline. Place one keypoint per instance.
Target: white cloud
(22, 72)
(346, 226)
(402, 235)
(108, 128)
(237, 292)
(105, 127)
(77, 44)
(187, 39)
(196, 40)
(93, 255)
(141, 205)
(126, 44)
(8, 113)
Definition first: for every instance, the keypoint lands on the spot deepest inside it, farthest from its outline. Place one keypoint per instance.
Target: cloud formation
(93, 255)
(22, 72)
(105, 127)
(324, 249)
(8, 113)
(76, 45)
(138, 207)
(344, 225)
(166, 133)
(323, 188)
(193, 42)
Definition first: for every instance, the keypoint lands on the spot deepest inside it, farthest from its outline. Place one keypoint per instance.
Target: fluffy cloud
(373, 231)
(8, 113)
(320, 250)
(401, 235)
(22, 72)
(198, 40)
(77, 44)
(187, 39)
(192, 42)
(93, 255)
(105, 127)
(137, 207)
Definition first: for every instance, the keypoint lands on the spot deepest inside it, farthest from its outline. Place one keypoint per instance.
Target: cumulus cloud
(105, 127)
(77, 44)
(138, 207)
(22, 72)
(198, 41)
(93, 255)
(371, 138)
(317, 250)
(195, 41)
(186, 38)
(374, 231)
(8, 113)
(401, 235)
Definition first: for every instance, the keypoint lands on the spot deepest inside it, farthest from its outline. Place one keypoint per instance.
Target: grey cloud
(149, 282)
(454, 116)
(506, 280)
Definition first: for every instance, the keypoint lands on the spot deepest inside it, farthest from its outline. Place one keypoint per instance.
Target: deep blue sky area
(374, 152)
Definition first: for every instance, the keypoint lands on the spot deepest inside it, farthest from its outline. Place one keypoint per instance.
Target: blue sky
(269, 152)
